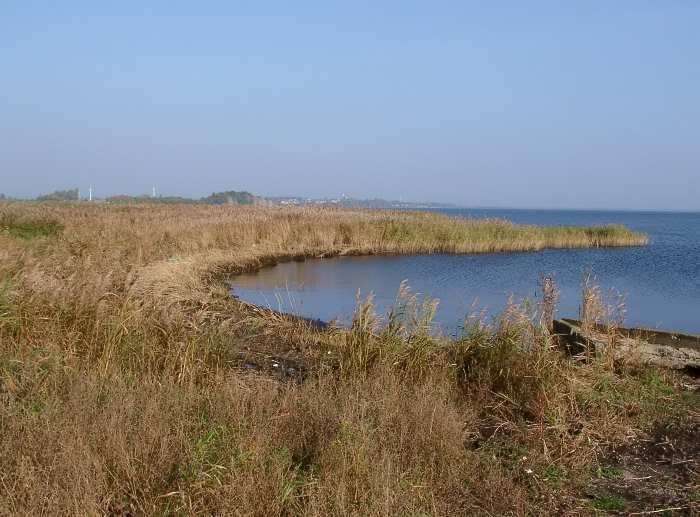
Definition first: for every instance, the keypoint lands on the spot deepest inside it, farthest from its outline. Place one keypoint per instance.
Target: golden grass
(125, 391)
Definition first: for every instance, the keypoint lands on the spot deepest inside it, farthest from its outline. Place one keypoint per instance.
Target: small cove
(661, 281)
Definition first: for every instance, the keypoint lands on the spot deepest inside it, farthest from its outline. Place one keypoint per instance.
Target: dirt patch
(658, 473)
(276, 344)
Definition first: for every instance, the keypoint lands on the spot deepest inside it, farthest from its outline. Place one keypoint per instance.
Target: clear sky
(590, 103)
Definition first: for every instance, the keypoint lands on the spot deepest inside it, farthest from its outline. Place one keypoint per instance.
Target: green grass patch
(608, 472)
(8, 317)
(610, 503)
(553, 475)
(31, 229)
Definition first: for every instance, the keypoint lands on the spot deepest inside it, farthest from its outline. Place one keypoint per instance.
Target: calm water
(661, 281)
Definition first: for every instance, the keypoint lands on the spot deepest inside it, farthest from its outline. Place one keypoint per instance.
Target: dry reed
(132, 383)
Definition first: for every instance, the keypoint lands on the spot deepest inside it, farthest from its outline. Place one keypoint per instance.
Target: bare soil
(658, 474)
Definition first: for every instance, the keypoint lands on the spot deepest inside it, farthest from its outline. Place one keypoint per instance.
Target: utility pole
(90, 193)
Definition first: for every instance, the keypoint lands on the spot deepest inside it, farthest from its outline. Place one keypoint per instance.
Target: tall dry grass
(132, 383)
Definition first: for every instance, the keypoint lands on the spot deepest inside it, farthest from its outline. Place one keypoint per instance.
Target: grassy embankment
(124, 389)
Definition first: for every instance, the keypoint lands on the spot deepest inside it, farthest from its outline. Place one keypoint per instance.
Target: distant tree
(122, 199)
(60, 195)
(230, 197)
(2, 196)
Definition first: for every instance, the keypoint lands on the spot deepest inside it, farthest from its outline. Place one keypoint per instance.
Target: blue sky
(588, 104)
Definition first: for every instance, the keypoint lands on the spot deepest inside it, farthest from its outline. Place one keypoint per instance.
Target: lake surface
(661, 281)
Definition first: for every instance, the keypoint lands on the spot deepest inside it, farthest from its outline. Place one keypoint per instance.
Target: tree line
(229, 197)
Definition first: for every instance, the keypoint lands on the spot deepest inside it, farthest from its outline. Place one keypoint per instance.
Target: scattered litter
(251, 366)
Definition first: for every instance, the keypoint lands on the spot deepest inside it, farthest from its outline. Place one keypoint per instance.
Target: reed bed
(160, 230)
(133, 384)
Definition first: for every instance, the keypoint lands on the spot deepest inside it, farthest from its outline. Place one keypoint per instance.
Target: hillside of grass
(132, 383)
